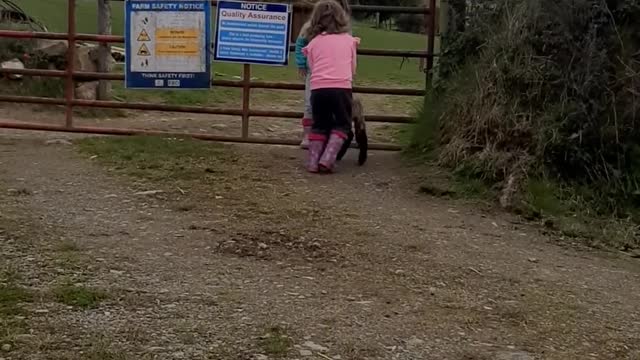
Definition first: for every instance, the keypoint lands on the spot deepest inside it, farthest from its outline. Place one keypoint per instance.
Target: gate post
(246, 97)
(71, 59)
(431, 39)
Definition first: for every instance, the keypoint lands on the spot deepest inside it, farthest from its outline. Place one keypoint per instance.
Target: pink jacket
(332, 60)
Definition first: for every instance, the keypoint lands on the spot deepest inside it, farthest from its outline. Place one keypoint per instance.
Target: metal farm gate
(246, 112)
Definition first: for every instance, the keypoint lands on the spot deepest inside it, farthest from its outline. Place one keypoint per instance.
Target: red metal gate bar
(120, 40)
(396, 119)
(119, 131)
(372, 8)
(360, 8)
(32, 100)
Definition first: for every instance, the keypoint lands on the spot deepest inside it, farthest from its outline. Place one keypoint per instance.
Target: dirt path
(266, 261)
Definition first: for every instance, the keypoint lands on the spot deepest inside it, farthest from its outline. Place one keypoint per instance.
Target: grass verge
(12, 299)
(101, 351)
(159, 159)
(455, 185)
(562, 210)
(79, 296)
(276, 342)
(570, 211)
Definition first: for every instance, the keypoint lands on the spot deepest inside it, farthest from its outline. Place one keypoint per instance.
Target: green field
(53, 13)
(372, 71)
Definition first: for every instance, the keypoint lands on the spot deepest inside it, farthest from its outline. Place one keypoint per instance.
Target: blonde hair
(328, 16)
(304, 30)
(345, 6)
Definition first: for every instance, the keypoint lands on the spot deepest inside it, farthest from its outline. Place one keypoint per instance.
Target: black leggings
(331, 111)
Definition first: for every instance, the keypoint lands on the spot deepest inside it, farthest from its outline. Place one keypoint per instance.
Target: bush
(24, 50)
(15, 48)
(384, 16)
(411, 23)
(542, 89)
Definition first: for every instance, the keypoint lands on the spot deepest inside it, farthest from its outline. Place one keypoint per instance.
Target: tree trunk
(104, 57)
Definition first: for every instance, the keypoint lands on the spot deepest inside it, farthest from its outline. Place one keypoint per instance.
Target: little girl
(303, 71)
(331, 57)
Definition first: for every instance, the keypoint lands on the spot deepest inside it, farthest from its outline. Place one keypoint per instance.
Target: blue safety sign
(167, 44)
(253, 32)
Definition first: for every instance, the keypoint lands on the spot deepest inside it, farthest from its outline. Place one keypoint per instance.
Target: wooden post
(443, 19)
(104, 50)
(431, 39)
(246, 100)
(442, 27)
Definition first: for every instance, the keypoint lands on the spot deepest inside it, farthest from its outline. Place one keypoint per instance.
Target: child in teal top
(303, 70)
(301, 42)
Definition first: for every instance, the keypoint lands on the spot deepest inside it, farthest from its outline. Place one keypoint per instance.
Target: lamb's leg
(345, 146)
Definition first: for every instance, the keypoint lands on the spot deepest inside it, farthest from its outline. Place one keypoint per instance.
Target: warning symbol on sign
(144, 36)
(143, 51)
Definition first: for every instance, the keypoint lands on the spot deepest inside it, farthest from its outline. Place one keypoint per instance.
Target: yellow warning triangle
(144, 36)
(143, 51)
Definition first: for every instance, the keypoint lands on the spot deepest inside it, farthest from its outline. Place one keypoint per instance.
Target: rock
(6, 347)
(415, 342)
(150, 192)
(58, 142)
(25, 338)
(514, 355)
(13, 64)
(52, 48)
(509, 191)
(315, 347)
(87, 91)
(304, 352)
(261, 357)
(94, 55)
(83, 60)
